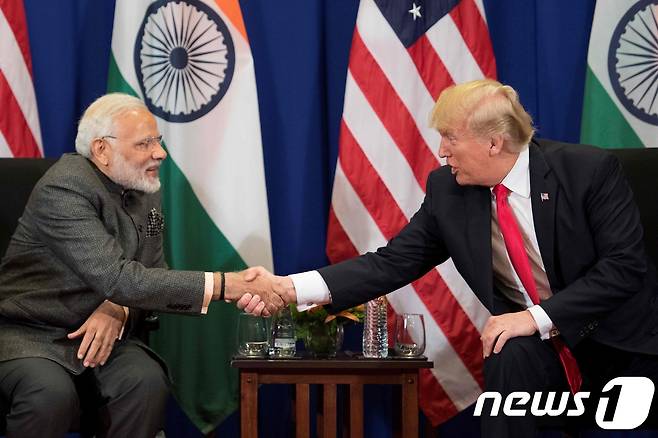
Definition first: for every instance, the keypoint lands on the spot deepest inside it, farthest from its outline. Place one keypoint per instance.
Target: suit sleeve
(620, 267)
(68, 223)
(413, 252)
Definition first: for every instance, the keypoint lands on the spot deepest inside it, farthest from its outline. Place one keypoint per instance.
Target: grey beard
(131, 178)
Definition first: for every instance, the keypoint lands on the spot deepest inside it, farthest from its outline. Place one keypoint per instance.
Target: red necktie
(519, 258)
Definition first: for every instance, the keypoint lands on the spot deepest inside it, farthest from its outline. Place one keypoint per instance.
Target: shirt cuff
(209, 286)
(544, 323)
(311, 289)
(126, 311)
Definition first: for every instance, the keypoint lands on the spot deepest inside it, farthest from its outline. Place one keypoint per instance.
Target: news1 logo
(624, 403)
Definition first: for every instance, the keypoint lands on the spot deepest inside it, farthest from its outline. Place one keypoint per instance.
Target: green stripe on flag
(602, 123)
(198, 350)
(115, 81)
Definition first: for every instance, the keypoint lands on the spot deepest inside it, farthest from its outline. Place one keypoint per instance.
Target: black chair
(17, 178)
(641, 169)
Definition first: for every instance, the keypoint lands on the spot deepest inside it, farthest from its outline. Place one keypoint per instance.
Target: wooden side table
(354, 371)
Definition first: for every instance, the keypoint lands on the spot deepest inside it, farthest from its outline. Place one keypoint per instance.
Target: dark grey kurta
(83, 239)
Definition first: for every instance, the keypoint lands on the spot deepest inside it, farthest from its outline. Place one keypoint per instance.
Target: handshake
(256, 290)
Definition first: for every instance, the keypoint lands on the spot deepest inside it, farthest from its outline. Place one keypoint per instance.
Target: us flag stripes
(20, 135)
(403, 55)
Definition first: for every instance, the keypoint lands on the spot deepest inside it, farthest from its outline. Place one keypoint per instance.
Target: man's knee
(516, 352)
(41, 397)
(46, 396)
(146, 380)
(524, 364)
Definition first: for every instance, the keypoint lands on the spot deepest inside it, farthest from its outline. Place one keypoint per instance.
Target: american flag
(20, 134)
(404, 53)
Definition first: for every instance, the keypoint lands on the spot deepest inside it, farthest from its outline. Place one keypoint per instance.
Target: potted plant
(321, 331)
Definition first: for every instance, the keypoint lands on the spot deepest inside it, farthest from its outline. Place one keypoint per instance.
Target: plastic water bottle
(282, 341)
(375, 334)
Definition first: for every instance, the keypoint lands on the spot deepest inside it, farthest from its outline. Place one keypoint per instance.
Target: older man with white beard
(83, 264)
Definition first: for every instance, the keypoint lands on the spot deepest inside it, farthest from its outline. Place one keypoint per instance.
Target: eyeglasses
(144, 144)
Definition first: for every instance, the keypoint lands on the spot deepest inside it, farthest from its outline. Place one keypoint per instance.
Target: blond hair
(487, 107)
(98, 119)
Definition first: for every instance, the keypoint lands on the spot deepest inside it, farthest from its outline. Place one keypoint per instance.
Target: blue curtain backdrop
(301, 50)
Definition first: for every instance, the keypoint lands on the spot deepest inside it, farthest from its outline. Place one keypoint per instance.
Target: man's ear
(99, 151)
(496, 144)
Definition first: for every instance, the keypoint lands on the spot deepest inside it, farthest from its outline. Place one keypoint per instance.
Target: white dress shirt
(312, 290)
(505, 277)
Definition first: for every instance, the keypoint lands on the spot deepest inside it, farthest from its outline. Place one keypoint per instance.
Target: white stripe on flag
(398, 67)
(13, 66)
(128, 16)
(5, 152)
(451, 48)
(381, 150)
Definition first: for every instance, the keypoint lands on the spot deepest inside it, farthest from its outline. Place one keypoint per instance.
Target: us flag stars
(415, 11)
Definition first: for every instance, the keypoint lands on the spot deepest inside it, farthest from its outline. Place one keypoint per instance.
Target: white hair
(98, 119)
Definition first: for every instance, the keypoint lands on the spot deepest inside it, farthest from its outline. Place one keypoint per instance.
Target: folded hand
(98, 333)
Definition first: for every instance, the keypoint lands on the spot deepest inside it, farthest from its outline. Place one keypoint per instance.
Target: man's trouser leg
(41, 396)
(527, 364)
(133, 391)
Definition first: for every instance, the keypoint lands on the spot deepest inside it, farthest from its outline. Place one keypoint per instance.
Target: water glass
(252, 336)
(409, 335)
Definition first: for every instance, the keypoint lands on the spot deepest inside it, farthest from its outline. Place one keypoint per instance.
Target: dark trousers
(126, 396)
(531, 365)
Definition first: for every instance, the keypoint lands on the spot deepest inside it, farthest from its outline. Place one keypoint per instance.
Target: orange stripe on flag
(231, 8)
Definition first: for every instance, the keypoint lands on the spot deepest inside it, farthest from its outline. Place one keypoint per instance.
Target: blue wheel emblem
(184, 59)
(633, 61)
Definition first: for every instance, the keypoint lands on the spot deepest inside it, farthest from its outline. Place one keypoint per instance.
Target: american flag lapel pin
(543, 197)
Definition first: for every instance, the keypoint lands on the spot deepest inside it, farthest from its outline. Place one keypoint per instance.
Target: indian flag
(191, 63)
(621, 106)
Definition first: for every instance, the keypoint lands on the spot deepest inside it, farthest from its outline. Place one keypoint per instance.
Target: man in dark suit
(547, 236)
(87, 255)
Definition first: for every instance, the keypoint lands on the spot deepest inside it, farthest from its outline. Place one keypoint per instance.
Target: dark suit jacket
(589, 234)
(83, 239)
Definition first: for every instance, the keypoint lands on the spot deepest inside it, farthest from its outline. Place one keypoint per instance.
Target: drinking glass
(409, 335)
(252, 336)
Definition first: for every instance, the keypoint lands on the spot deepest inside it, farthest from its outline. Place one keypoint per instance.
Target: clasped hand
(264, 293)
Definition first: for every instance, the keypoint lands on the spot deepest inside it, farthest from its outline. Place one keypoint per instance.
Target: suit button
(139, 228)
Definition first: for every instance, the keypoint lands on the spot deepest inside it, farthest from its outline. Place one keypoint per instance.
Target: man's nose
(443, 150)
(159, 152)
